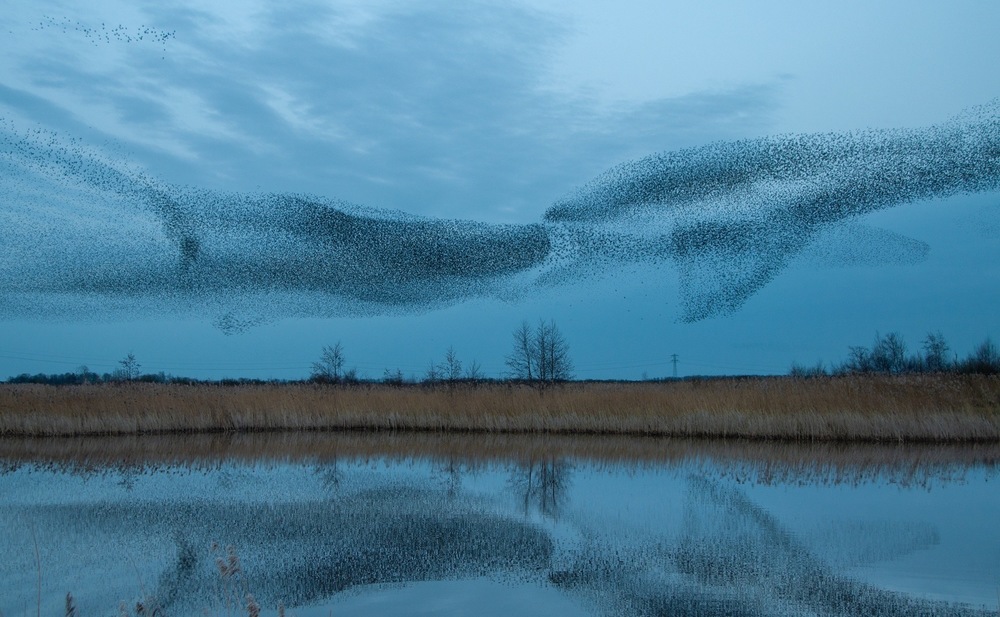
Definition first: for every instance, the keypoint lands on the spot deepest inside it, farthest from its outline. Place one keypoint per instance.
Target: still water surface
(540, 533)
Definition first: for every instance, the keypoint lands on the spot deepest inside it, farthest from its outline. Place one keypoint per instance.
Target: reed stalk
(38, 570)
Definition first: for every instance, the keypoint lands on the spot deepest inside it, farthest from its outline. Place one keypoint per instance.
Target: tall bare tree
(936, 352)
(330, 364)
(521, 360)
(888, 354)
(451, 368)
(130, 367)
(552, 353)
(540, 355)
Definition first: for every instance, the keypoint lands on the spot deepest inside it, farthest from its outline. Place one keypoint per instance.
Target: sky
(224, 190)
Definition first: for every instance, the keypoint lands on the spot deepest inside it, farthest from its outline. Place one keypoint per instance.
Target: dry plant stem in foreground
(877, 408)
(38, 569)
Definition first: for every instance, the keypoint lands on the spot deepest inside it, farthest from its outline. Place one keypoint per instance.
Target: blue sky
(482, 111)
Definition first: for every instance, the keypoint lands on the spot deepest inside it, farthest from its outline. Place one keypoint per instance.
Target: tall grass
(927, 407)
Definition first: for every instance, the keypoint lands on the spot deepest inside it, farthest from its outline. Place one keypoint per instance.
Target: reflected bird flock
(89, 236)
(364, 533)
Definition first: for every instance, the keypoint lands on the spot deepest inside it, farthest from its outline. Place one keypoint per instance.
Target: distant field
(924, 407)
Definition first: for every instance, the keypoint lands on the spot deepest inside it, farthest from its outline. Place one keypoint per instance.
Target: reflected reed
(759, 461)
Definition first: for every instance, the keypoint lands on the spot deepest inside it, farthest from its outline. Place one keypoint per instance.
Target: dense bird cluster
(741, 210)
(90, 234)
(86, 235)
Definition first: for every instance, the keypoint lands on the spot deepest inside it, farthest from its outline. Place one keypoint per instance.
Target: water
(384, 525)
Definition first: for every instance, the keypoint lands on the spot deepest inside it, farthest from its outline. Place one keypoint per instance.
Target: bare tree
(451, 368)
(473, 372)
(86, 375)
(393, 377)
(521, 360)
(540, 355)
(984, 359)
(859, 360)
(936, 352)
(330, 364)
(888, 354)
(130, 367)
(552, 353)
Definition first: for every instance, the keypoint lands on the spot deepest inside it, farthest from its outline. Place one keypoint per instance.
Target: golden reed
(936, 407)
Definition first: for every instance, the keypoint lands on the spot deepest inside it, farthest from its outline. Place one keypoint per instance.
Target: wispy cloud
(445, 107)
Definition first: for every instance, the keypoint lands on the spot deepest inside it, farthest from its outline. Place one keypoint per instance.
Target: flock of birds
(105, 34)
(741, 210)
(87, 235)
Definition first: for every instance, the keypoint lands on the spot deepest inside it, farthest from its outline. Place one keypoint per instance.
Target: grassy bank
(875, 408)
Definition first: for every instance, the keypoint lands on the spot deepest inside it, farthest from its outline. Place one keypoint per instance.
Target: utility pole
(673, 359)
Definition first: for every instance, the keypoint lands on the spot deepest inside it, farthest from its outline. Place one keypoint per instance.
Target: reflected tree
(330, 475)
(127, 475)
(450, 474)
(542, 484)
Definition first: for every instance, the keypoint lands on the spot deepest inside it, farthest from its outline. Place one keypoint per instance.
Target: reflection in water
(672, 539)
(303, 553)
(543, 485)
(730, 541)
(756, 460)
(731, 558)
(330, 474)
(886, 540)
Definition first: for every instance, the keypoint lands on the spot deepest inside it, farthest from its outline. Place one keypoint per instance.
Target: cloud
(429, 108)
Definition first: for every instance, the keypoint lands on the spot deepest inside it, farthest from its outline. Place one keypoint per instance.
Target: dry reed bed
(875, 408)
(768, 461)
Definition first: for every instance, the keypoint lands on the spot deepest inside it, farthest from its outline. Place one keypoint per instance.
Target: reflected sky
(372, 536)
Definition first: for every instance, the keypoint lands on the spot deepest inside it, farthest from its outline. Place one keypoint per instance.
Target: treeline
(888, 354)
(349, 378)
(80, 378)
(540, 357)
